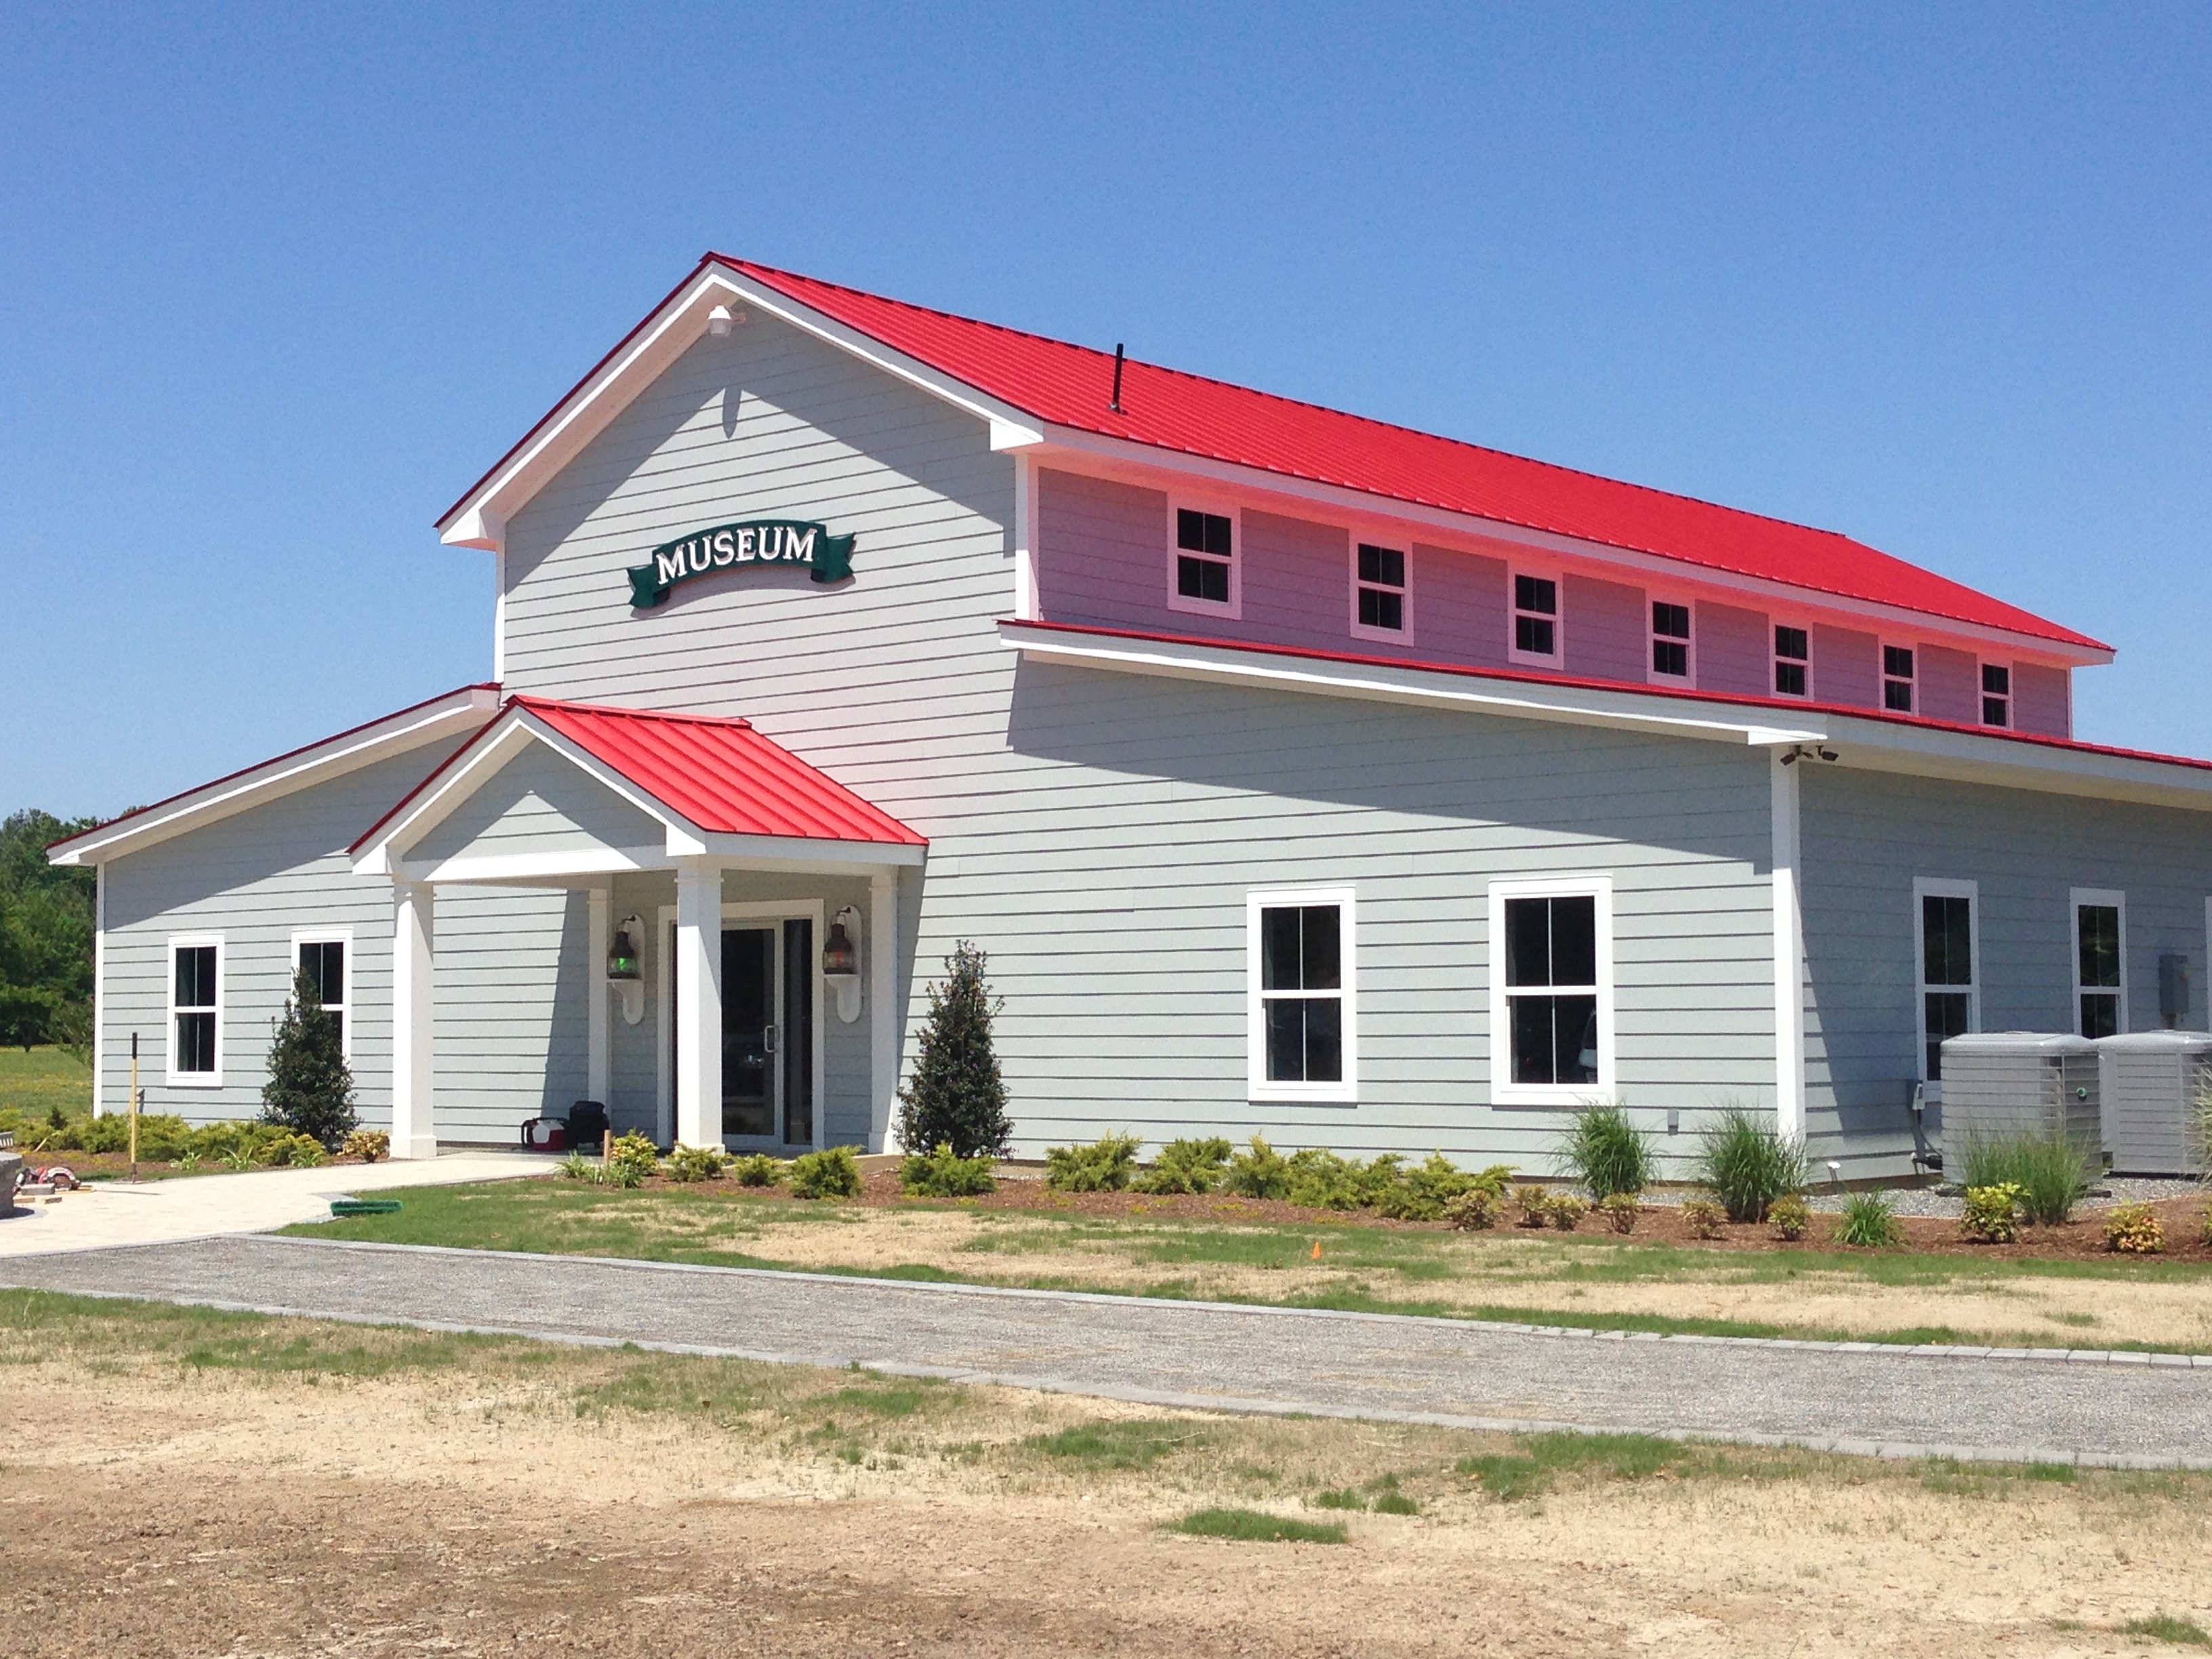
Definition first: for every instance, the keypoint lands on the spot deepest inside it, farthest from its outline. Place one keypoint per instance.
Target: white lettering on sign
(668, 567)
(724, 547)
(799, 545)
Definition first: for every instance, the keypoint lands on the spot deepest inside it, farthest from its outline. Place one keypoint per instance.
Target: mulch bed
(2184, 1219)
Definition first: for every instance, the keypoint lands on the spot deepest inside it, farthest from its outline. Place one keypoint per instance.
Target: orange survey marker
(1316, 1254)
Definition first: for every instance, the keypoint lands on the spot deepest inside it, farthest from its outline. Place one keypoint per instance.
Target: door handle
(768, 1039)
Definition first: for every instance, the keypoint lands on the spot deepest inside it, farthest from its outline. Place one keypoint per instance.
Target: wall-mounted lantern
(840, 961)
(626, 968)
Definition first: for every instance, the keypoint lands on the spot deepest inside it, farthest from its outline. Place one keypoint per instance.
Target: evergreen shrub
(688, 1164)
(1107, 1165)
(1187, 1166)
(758, 1169)
(310, 1087)
(1262, 1172)
(956, 1096)
(833, 1172)
(945, 1174)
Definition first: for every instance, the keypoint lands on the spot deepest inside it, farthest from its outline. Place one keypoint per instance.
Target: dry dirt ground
(184, 1483)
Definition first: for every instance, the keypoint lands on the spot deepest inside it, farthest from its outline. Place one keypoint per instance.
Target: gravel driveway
(2132, 1410)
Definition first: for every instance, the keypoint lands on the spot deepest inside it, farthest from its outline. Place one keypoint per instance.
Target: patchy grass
(2164, 1627)
(32, 1084)
(1256, 1527)
(1128, 1444)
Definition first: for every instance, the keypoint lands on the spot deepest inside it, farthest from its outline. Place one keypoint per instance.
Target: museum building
(1301, 774)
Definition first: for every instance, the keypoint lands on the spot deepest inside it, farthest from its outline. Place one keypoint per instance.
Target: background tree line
(45, 935)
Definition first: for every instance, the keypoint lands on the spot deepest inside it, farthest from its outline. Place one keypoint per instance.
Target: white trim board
(2075, 898)
(1503, 1091)
(1344, 1090)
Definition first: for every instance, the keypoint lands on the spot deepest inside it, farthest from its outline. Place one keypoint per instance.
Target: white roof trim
(2016, 763)
(452, 716)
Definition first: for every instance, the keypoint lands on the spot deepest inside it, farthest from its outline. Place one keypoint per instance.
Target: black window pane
(1946, 1018)
(1790, 642)
(195, 1043)
(1669, 658)
(1286, 1040)
(1318, 929)
(1217, 534)
(1897, 694)
(1190, 530)
(1324, 1018)
(196, 977)
(1789, 678)
(1996, 679)
(1385, 565)
(1535, 1056)
(1379, 608)
(2099, 926)
(1279, 951)
(1202, 579)
(1946, 941)
(2100, 1015)
(324, 963)
(1995, 711)
(1537, 593)
(1671, 621)
(1527, 941)
(1897, 662)
(1533, 635)
(1574, 941)
(1574, 1033)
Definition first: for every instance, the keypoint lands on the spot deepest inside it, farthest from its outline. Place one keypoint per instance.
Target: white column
(1027, 606)
(698, 1004)
(599, 1029)
(414, 1012)
(1789, 953)
(884, 1010)
(100, 991)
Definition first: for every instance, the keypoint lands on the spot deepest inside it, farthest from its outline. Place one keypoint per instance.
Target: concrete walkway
(109, 1212)
(1856, 1399)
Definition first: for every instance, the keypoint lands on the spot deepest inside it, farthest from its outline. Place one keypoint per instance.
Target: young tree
(956, 1096)
(310, 1087)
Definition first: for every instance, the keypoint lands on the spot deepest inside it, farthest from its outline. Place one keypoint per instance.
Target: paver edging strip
(1888, 1350)
(1228, 1405)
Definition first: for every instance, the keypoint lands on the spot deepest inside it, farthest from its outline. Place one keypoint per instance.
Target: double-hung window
(2101, 937)
(1793, 662)
(1897, 678)
(327, 960)
(1300, 981)
(1950, 992)
(1378, 592)
(1536, 619)
(196, 1012)
(1551, 990)
(1204, 562)
(1996, 694)
(1670, 641)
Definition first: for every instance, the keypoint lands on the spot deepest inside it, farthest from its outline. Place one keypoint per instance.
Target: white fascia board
(481, 517)
(534, 869)
(447, 717)
(1149, 463)
(2016, 763)
(1427, 688)
(805, 853)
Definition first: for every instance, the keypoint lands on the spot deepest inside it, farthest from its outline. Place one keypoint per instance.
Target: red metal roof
(1072, 385)
(720, 774)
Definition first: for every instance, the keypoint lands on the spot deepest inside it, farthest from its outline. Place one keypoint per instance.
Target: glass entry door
(749, 1034)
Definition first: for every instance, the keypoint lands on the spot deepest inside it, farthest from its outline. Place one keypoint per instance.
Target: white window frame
(1924, 887)
(1654, 638)
(177, 942)
(1345, 1091)
(1882, 672)
(1503, 1091)
(1775, 659)
(1981, 697)
(329, 936)
(1513, 651)
(1361, 630)
(2075, 898)
(1233, 611)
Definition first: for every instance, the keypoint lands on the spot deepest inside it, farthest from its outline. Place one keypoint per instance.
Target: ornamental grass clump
(1868, 1221)
(1262, 1172)
(2134, 1229)
(1187, 1166)
(1992, 1214)
(1747, 1164)
(1791, 1217)
(1603, 1153)
(945, 1174)
(2052, 1170)
(1107, 1165)
(834, 1172)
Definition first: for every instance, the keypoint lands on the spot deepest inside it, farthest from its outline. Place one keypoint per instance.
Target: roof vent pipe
(1117, 377)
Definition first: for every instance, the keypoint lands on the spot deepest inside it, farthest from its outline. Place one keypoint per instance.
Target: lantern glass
(838, 957)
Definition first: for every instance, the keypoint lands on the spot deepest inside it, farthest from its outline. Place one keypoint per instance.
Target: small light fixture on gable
(721, 320)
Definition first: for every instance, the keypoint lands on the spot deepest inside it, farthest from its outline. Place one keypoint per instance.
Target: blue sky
(277, 286)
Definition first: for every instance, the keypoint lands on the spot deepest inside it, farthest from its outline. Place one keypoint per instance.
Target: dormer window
(1205, 566)
(1897, 679)
(1670, 641)
(1378, 592)
(1536, 620)
(1793, 663)
(1996, 694)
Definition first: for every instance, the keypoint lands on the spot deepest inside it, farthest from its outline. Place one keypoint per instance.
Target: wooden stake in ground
(134, 1105)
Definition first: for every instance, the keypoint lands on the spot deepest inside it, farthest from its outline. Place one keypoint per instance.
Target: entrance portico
(624, 805)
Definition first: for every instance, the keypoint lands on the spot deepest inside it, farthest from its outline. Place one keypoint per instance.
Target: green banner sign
(756, 542)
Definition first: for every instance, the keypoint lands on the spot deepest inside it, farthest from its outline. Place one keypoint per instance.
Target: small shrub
(1604, 1153)
(292, 1151)
(758, 1169)
(1104, 1166)
(369, 1145)
(1619, 1211)
(1705, 1217)
(630, 1158)
(1534, 1202)
(833, 1172)
(310, 1087)
(688, 1164)
(1187, 1166)
(1791, 1216)
(1476, 1210)
(1424, 1192)
(2052, 1170)
(1869, 1223)
(2134, 1229)
(1252, 1527)
(577, 1167)
(1565, 1211)
(942, 1174)
(1747, 1164)
(1992, 1214)
(1323, 1180)
(1263, 1172)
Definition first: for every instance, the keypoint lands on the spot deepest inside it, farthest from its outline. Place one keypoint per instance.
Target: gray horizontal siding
(538, 802)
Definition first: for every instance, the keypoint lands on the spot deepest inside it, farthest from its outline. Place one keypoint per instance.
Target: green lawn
(32, 1084)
